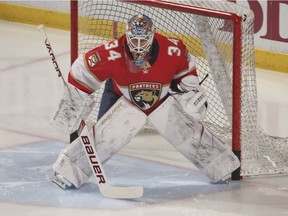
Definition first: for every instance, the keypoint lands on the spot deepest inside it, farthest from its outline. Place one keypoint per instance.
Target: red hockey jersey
(145, 86)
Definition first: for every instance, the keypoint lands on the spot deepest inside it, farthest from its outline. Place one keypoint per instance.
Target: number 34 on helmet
(140, 35)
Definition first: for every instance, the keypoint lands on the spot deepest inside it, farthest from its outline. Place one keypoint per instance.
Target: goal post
(220, 34)
(73, 30)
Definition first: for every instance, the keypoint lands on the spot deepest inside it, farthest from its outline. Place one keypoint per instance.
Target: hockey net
(220, 34)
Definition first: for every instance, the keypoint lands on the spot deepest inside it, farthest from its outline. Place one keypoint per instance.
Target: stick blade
(117, 192)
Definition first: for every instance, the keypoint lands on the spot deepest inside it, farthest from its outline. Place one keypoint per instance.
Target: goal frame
(237, 47)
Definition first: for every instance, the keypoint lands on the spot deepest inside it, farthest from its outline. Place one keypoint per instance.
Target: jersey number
(174, 49)
(113, 54)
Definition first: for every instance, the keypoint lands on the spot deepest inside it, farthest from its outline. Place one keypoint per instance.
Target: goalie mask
(140, 34)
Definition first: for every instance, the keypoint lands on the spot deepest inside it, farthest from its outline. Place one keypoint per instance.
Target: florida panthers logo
(145, 94)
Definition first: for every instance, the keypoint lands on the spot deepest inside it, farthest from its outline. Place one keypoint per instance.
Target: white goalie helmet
(140, 34)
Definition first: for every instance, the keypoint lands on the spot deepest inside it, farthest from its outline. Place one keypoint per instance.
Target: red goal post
(220, 35)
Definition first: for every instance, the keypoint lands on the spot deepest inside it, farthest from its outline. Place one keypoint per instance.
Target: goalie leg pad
(113, 131)
(117, 127)
(194, 141)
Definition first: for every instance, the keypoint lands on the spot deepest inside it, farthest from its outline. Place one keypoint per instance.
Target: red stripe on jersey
(192, 72)
(78, 85)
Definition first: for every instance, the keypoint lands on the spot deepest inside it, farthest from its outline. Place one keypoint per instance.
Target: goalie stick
(51, 53)
(106, 189)
(41, 28)
(53, 57)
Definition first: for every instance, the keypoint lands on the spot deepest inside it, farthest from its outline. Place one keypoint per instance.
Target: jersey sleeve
(90, 70)
(81, 78)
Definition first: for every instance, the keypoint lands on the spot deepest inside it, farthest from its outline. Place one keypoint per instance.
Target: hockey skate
(61, 181)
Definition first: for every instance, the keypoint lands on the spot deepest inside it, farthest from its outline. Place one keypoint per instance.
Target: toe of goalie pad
(221, 167)
(61, 181)
(68, 172)
(225, 180)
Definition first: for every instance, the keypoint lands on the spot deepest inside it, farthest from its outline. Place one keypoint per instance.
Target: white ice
(30, 91)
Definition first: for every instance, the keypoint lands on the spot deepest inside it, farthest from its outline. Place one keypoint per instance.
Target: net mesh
(210, 40)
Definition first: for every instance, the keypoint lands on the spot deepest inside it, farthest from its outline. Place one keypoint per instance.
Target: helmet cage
(139, 45)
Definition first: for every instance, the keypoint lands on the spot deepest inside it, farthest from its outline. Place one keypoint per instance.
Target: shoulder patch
(94, 59)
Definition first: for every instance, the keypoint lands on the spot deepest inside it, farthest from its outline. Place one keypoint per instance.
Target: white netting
(211, 41)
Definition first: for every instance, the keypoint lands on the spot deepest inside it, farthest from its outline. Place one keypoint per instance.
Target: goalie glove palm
(194, 103)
